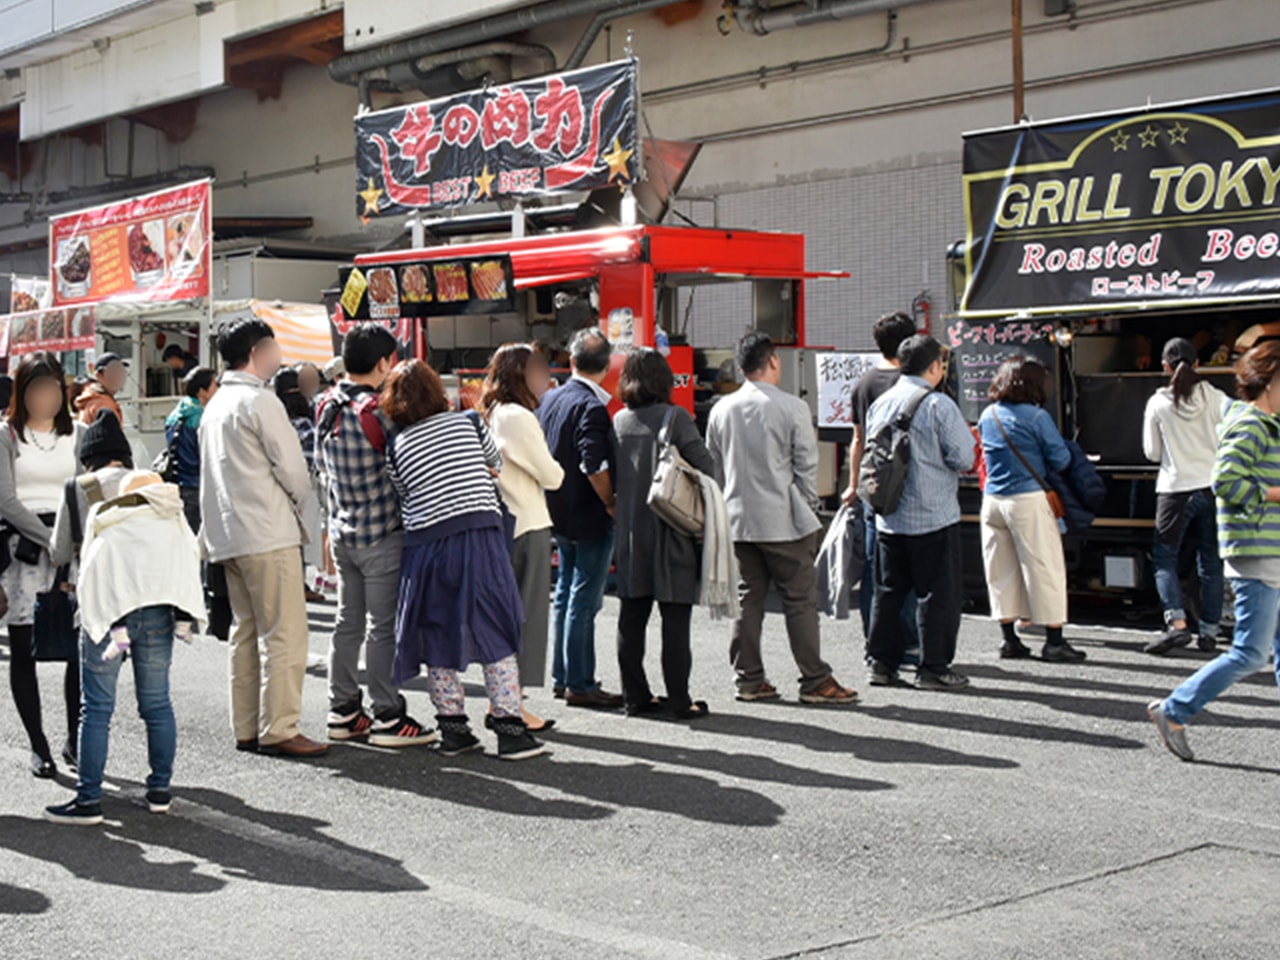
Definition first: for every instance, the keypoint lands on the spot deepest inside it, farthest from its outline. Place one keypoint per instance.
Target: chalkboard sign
(978, 350)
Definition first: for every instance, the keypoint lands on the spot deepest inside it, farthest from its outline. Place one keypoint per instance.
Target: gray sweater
(11, 508)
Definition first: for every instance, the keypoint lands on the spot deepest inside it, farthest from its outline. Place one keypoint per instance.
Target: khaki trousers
(1022, 554)
(268, 644)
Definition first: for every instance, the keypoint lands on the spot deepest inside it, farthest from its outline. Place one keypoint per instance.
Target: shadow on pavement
(20, 900)
(975, 722)
(826, 740)
(96, 855)
(1061, 682)
(745, 766)
(480, 781)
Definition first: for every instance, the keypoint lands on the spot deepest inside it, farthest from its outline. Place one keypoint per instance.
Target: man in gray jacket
(767, 456)
(253, 479)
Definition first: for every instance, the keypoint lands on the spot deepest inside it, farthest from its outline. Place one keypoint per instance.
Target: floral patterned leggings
(501, 683)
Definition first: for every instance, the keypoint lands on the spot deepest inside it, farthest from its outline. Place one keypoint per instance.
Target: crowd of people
(439, 526)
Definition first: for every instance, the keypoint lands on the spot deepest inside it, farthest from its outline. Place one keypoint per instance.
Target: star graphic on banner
(1119, 141)
(370, 195)
(484, 183)
(1178, 133)
(1150, 136)
(617, 159)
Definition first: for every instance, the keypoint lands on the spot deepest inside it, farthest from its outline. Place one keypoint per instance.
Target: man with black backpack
(918, 446)
(365, 530)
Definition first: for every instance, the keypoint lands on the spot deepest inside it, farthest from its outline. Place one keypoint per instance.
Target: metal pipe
(762, 22)
(348, 68)
(1019, 86)
(599, 22)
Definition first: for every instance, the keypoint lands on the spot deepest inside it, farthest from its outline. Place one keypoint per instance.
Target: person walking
(37, 455)
(1246, 485)
(367, 537)
(1180, 432)
(182, 434)
(890, 332)
(1021, 544)
(766, 458)
(253, 481)
(918, 545)
(110, 373)
(656, 563)
(575, 419)
(140, 574)
(459, 603)
(517, 378)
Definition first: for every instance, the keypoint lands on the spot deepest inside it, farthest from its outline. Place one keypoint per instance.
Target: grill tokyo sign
(1177, 205)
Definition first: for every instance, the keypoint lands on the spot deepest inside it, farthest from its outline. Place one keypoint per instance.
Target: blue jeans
(1257, 617)
(867, 595)
(584, 568)
(151, 650)
(1177, 517)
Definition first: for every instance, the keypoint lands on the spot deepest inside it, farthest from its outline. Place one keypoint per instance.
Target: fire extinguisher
(921, 312)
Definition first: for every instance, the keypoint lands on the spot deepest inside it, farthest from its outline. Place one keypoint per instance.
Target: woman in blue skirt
(459, 602)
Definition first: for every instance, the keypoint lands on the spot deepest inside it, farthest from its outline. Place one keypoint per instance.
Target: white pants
(1022, 554)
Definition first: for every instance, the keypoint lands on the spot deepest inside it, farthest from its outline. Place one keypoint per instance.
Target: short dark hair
(33, 367)
(237, 340)
(590, 350)
(1254, 371)
(171, 351)
(646, 379)
(365, 344)
(413, 393)
(200, 378)
(1020, 380)
(918, 353)
(754, 352)
(287, 389)
(890, 331)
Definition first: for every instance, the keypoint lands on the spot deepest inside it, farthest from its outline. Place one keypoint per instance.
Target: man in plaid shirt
(365, 530)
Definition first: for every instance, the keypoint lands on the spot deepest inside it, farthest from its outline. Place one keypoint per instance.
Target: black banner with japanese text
(1169, 205)
(565, 133)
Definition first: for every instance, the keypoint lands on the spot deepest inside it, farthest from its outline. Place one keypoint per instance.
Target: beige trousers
(268, 644)
(1022, 554)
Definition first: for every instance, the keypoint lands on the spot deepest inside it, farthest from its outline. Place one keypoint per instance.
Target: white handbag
(675, 494)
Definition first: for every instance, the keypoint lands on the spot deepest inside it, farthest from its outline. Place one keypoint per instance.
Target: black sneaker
(515, 742)
(1014, 651)
(159, 801)
(1207, 644)
(1171, 640)
(351, 722)
(398, 729)
(1061, 653)
(75, 814)
(881, 676)
(949, 680)
(456, 737)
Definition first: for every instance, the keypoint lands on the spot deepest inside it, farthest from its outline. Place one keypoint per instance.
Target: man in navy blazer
(575, 418)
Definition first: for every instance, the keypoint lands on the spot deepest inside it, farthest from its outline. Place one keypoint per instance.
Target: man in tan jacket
(252, 480)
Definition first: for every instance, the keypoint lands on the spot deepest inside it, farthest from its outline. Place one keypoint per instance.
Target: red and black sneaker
(398, 729)
(352, 722)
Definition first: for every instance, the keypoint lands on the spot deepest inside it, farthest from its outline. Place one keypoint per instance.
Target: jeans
(151, 650)
(368, 597)
(1177, 516)
(1257, 617)
(584, 568)
(867, 594)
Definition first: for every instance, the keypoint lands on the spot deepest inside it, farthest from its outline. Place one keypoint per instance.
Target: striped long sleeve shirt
(1248, 463)
(441, 470)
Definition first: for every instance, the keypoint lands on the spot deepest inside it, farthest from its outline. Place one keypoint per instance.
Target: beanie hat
(104, 441)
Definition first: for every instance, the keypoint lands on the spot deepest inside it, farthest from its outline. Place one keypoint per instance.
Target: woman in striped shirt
(1246, 483)
(459, 603)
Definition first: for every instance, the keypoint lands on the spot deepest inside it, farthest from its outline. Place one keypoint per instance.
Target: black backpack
(885, 461)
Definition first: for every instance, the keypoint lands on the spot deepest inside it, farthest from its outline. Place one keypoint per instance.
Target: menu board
(155, 247)
(837, 375)
(55, 330)
(430, 288)
(977, 351)
(29, 293)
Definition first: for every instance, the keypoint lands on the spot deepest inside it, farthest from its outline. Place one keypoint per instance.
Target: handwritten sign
(977, 352)
(837, 374)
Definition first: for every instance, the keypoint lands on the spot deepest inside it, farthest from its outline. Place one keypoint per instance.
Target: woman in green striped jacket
(1246, 484)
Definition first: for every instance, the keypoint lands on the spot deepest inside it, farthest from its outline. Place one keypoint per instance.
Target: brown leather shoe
(830, 693)
(598, 699)
(299, 746)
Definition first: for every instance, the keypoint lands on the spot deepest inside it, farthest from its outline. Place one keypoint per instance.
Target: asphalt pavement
(1033, 815)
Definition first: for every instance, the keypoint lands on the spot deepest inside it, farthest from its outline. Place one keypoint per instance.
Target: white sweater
(528, 469)
(1183, 439)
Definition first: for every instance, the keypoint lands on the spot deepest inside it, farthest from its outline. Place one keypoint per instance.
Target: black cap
(104, 441)
(106, 359)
